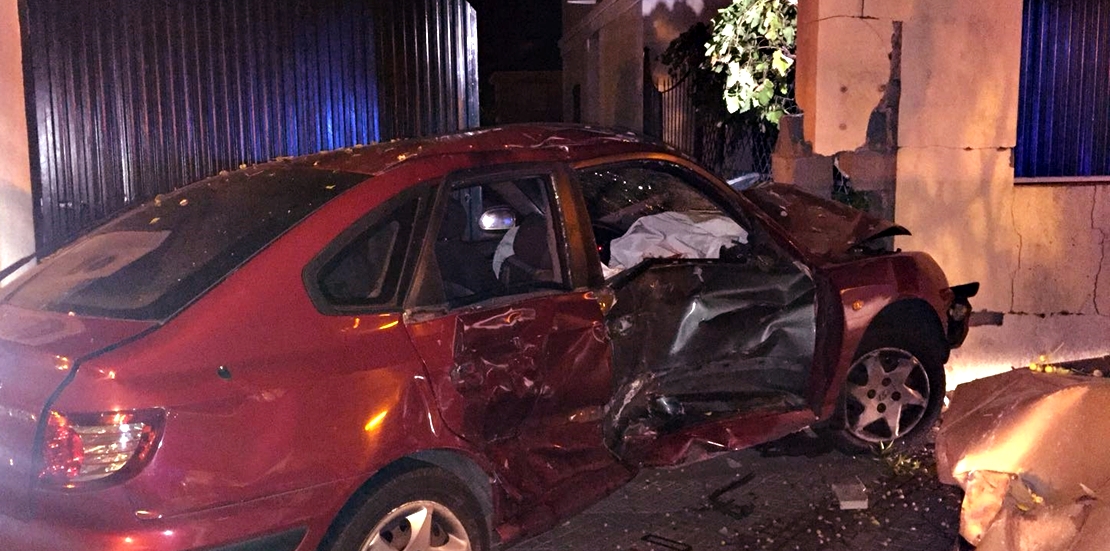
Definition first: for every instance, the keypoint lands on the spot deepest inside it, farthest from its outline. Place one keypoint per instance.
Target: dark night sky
(516, 35)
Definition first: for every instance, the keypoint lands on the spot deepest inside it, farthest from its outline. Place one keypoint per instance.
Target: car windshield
(153, 260)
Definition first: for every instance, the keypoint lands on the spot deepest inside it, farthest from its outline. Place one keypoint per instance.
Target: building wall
(129, 100)
(621, 69)
(17, 232)
(603, 53)
(602, 49)
(1039, 251)
(843, 68)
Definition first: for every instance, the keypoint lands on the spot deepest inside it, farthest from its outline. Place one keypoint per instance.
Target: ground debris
(666, 543)
(851, 495)
(728, 506)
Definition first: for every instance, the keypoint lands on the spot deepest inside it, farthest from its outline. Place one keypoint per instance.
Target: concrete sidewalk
(769, 499)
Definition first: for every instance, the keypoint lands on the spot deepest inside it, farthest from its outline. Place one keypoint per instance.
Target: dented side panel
(525, 382)
(484, 365)
(699, 341)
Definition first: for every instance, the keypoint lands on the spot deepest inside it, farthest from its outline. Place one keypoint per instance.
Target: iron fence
(728, 149)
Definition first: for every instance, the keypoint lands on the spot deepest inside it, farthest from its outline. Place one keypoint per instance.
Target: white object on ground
(851, 495)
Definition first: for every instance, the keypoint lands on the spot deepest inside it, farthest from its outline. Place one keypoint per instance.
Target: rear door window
(363, 268)
(496, 237)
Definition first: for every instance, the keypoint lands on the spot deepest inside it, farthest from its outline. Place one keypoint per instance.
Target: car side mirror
(497, 219)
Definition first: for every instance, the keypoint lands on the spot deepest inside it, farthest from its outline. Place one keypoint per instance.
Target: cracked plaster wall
(17, 236)
(1041, 253)
(851, 42)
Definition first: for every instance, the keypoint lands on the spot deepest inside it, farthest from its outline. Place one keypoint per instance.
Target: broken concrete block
(813, 174)
(869, 170)
(851, 495)
(791, 141)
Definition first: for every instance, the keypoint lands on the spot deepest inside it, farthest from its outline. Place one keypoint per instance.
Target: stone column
(17, 228)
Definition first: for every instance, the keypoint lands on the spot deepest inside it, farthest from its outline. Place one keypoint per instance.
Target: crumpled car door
(713, 339)
(709, 356)
(522, 373)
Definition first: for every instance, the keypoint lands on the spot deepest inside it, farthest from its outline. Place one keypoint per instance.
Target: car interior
(498, 238)
(699, 332)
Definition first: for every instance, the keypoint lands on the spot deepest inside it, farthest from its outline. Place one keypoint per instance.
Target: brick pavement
(776, 499)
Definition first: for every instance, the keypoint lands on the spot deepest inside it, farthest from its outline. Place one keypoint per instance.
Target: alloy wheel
(887, 395)
(418, 526)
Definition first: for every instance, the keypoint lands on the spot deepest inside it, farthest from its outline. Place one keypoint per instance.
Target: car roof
(485, 146)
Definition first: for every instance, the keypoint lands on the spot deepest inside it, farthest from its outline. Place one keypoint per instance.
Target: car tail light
(83, 448)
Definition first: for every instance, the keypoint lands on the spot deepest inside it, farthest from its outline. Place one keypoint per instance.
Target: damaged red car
(443, 344)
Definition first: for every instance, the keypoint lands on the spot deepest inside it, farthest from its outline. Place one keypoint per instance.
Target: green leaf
(774, 115)
(732, 103)
(746, 79)
(764, 92)
(781, 62)
(746, 59)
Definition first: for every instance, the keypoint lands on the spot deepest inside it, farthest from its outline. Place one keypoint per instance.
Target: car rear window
(153, 260)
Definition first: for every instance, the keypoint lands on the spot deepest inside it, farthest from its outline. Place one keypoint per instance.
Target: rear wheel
(421, 510)
(893, 392)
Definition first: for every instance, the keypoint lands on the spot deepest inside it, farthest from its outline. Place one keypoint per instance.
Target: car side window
(499, 237)
(362, 268)
(651, 210)
(357, 274)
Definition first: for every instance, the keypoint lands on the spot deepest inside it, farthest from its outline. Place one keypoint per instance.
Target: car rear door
(514, 340)
(714, 325)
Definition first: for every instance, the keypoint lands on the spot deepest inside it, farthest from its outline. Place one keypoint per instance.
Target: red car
(442, 344)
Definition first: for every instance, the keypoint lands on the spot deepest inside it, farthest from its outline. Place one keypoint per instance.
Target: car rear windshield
(151, 261)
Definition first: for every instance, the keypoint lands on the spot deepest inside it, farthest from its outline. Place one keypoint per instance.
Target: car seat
(531, 259)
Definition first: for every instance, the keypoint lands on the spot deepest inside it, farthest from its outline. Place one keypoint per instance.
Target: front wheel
(892, 394)
(420, 510)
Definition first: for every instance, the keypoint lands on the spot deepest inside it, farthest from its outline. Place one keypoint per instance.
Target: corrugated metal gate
(130, 99)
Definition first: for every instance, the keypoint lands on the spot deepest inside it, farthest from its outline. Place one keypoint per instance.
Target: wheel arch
(893, 317)
(911, 322)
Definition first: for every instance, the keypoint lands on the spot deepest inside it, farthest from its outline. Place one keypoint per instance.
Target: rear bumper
(39, 535)
(291, 521)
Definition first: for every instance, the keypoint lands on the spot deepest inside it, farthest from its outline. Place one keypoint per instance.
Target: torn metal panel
(823, 229)
(697, 341)
(1027, 449)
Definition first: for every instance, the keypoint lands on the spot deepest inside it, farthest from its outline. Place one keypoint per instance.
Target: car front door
(513, 339)
(714, 325)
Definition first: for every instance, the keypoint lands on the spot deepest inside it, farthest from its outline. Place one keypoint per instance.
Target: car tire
(892, 394)
(425, 503)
